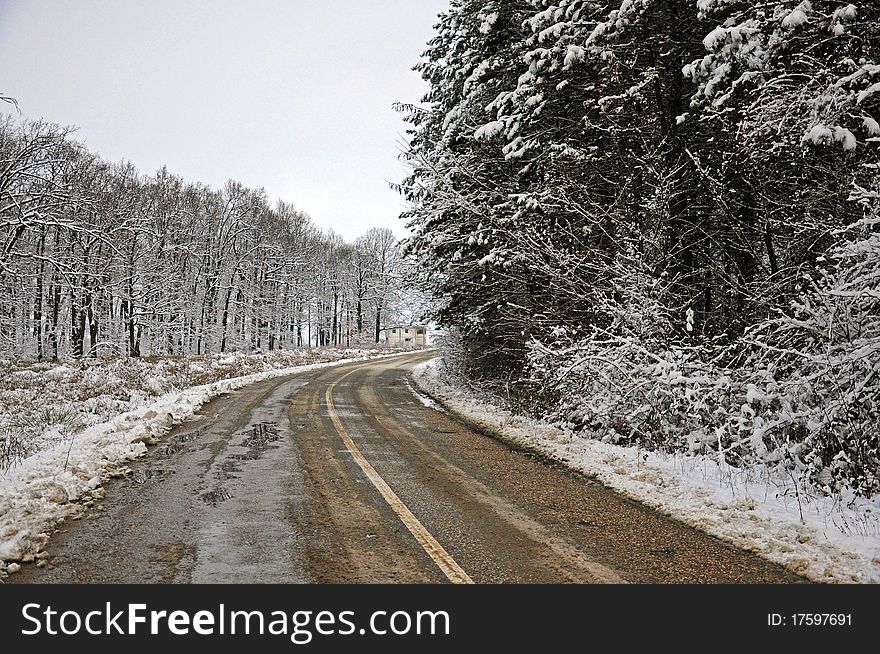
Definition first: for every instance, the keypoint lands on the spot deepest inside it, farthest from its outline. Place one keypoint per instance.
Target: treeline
(657, 221)
(99, 259)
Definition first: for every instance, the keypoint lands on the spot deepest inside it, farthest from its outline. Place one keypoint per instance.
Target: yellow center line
(435, 550)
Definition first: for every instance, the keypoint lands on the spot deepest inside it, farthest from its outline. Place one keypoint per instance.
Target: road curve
(343, 475)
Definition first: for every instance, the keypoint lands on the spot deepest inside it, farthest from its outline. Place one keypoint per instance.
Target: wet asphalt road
(262, 487)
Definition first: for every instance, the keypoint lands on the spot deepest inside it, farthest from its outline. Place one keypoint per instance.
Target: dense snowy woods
(98, 259)
(656, 221)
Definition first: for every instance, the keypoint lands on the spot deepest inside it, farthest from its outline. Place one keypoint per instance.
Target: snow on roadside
(816, 537)
(42, 490)
(425, 400)
(44, 403)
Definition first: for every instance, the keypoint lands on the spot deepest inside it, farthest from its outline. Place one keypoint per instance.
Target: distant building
(407, 336)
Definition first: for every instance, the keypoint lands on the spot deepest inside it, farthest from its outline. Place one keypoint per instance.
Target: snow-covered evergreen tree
(615, 199)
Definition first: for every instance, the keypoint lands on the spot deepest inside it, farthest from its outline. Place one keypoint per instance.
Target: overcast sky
(291, 95)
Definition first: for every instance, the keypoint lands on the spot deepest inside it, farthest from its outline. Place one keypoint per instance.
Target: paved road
(345, 475)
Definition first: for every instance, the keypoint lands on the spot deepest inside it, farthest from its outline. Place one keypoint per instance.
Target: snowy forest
(657, 222)
(99, 259)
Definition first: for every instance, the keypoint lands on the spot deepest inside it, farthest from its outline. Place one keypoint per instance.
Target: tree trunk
(335, 318)
(77, 329)
(225, 321)
(38, 299)
(93, 325)
(378, 320)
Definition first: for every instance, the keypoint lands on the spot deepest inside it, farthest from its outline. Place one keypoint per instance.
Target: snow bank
(815, 537)
(56, 483)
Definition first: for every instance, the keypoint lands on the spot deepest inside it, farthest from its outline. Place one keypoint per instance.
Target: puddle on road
(229, 469)
(176, 444)
(258, 439)
(214, 497)
(262, 434)
(143, 475)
